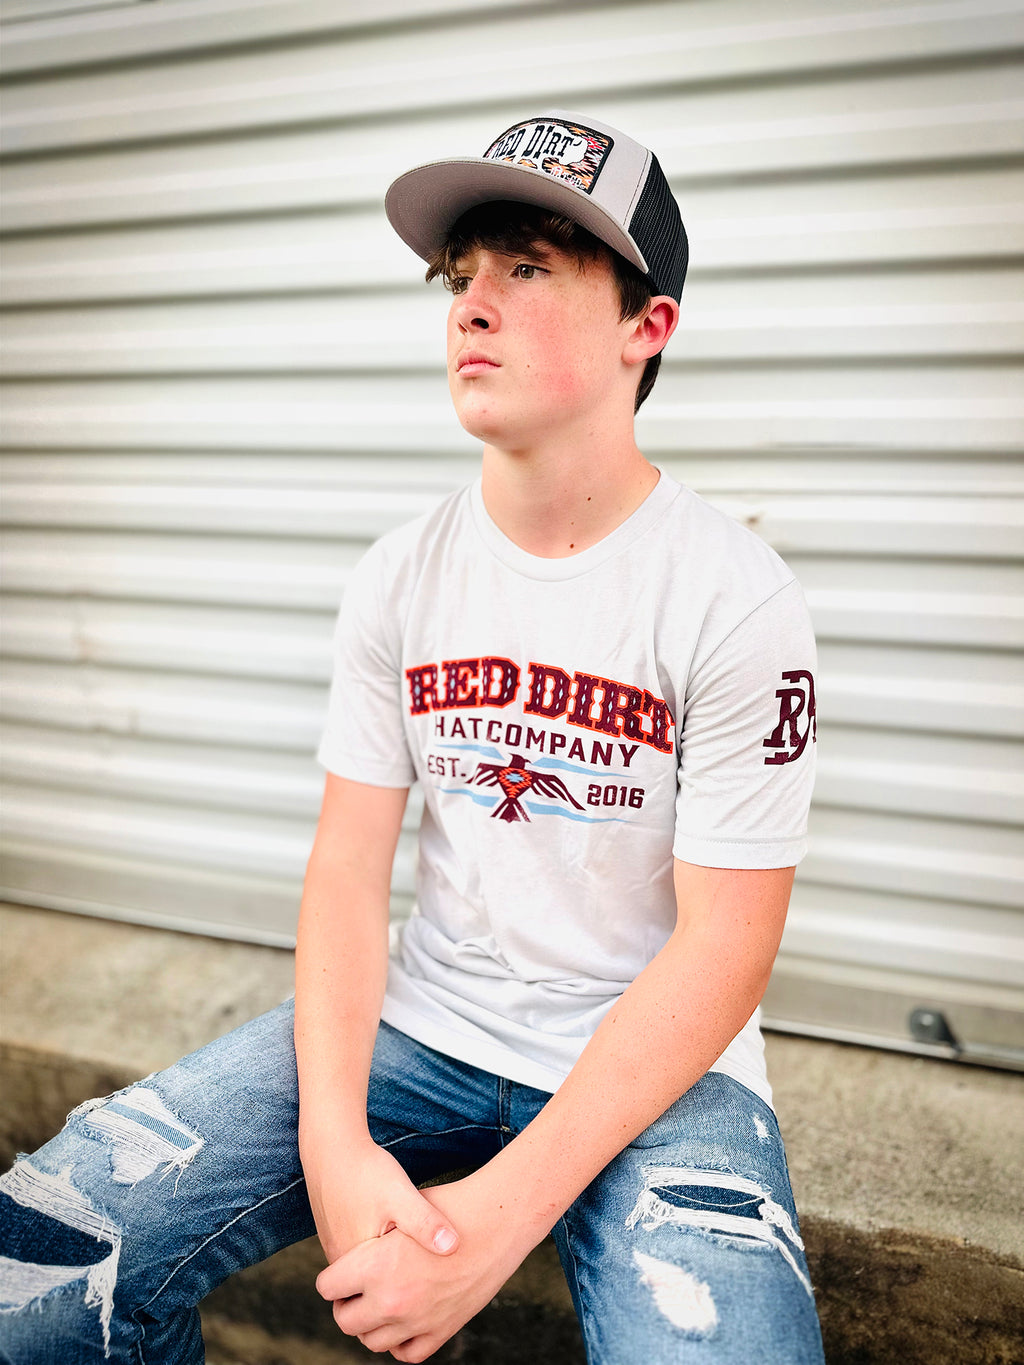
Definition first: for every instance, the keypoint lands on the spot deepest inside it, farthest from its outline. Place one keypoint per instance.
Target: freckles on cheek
(564, 386)
(567, 377)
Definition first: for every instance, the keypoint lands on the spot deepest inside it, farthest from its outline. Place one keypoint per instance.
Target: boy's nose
(475, 310)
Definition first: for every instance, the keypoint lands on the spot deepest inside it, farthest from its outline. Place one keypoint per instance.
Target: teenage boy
(604, 688)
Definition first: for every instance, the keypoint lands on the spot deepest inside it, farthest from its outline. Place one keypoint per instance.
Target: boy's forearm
(341, 959)
(642, 1058)
(340, 971)
(661, 1036)
(356, 1189)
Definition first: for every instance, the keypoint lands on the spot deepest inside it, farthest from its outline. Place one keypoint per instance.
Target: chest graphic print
(543, 762)
(517, 778)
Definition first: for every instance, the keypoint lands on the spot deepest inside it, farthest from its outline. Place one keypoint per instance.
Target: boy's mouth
(474, 362)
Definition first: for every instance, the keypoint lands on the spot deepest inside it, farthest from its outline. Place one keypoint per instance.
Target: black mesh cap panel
(658, 231)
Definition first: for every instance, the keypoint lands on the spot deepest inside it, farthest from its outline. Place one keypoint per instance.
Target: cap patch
(566, 151)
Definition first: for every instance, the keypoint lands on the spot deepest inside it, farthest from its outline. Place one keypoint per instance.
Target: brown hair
(509, 227)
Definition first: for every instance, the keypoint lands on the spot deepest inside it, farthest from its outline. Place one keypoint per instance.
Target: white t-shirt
(573, 723)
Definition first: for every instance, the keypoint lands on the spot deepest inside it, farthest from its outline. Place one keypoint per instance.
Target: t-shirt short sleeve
(746, 766)
(364, 738)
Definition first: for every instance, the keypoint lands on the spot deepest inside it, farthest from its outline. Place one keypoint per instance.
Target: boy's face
(535, 346)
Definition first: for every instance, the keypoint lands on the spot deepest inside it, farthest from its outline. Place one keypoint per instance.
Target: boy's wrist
(323, 1137)
(526, 1210)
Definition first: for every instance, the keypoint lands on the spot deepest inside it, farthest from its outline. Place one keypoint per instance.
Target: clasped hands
(409, 1289)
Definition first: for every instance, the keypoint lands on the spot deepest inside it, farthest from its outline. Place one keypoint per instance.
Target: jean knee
(61, 1209)
(687, 1246)
(717, 1260)
(60, 1251)
(94, 1231)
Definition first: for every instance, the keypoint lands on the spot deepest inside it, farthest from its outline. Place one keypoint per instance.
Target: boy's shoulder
(707, 544)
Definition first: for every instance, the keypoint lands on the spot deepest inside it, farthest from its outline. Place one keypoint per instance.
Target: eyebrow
(539, 252)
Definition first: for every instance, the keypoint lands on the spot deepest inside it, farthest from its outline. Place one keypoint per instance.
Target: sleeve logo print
(797, 718)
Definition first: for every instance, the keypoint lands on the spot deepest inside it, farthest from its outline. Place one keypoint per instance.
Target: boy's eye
(458, 284)
(523, 271)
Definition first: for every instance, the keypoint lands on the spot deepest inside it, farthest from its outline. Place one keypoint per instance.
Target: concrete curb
(908, 1172)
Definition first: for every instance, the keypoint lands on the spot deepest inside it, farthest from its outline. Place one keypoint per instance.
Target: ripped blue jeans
(684, 1249)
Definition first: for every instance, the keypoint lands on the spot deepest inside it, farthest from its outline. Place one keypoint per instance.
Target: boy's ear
(651, 331)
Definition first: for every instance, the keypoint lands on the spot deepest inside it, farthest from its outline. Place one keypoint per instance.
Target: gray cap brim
(423, 203)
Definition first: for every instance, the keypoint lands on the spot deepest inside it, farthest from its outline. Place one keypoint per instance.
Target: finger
(416, 1349)
(381, 1339)
(418, 1219)
(355, 1319)
(343, 1278)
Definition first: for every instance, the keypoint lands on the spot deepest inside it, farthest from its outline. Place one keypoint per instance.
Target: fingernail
(444, 1239)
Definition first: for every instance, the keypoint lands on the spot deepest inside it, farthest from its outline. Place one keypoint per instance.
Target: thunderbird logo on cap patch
(565, 151)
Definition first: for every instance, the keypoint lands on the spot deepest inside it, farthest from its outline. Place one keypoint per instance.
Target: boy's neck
(558, 504)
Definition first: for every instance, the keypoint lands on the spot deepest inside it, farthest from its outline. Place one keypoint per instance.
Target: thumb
(419, 1220)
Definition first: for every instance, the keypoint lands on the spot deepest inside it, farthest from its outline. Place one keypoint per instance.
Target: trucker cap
(591, 172)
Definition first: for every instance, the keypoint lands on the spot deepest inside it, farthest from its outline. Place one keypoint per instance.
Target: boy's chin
(495, 425)
(485, 427)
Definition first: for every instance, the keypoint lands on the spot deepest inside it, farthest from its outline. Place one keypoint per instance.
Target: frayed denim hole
(53, 1197)
(30, 1236)
(142, 1134)
(739, 1203)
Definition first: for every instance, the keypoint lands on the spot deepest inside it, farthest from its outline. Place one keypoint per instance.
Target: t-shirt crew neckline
(658, 500)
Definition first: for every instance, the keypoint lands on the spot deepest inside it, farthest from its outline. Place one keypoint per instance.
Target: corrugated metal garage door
(224, 378)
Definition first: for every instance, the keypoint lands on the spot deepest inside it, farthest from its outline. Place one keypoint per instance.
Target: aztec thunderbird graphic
(515, 779)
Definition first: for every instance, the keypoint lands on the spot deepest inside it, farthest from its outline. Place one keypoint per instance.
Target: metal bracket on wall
(932, 1026)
